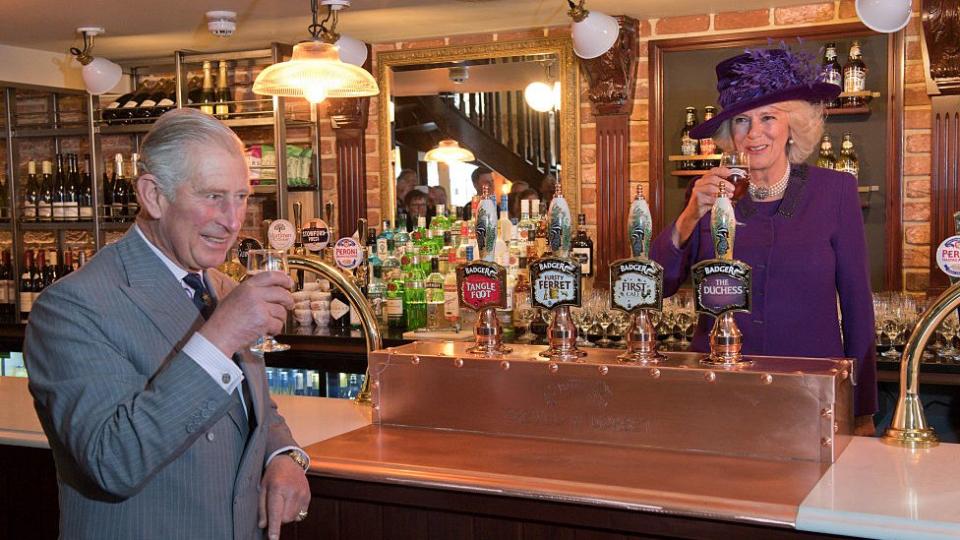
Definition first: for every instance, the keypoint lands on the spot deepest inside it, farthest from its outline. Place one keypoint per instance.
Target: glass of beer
(739, 165)
(267, 260)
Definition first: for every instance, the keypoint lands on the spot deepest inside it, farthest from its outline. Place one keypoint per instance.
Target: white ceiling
(139, 28)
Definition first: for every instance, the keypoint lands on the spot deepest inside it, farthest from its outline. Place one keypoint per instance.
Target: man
(158, 415)
(481, 177)
(406, 181)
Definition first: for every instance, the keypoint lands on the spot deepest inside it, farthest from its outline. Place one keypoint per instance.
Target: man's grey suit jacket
(146, 444)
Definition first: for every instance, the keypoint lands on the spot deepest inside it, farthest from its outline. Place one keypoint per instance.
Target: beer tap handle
(640, 226)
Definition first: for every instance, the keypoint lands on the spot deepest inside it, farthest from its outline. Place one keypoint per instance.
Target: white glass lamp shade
(594, 35)
(448, 151)
(885, 16)
(352, 50)
(315, 72)
(539, 96)
(100, 75)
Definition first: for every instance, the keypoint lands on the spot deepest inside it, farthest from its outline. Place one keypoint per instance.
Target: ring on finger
(301, 515)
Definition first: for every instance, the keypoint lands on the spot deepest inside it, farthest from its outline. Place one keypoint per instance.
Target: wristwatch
(299, 458)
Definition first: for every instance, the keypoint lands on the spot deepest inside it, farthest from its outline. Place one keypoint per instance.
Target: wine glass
(526, 313)
(604, 319)
(739, 165)
(267, 260)
(583, 319)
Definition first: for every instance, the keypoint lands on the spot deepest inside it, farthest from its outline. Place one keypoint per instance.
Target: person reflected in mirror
(481, 177)
(438, 195)
(800, 229)
(406, 180)
(548, 186)
(417, 203)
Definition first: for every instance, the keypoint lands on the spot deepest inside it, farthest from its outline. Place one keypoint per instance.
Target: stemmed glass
(526, 313)
(739, 165)
(583, 321)
(604, 319)
(267, 260)
(949, 326)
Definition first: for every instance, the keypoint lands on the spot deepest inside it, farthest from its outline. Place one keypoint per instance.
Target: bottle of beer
(848, 161)
(688, 145)
(854, 77)
(826, 158)
(832, 72)
(707, 146)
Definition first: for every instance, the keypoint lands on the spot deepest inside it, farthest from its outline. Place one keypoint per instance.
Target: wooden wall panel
(944, 179)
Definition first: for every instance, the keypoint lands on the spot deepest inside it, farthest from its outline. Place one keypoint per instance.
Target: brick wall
(916, 185)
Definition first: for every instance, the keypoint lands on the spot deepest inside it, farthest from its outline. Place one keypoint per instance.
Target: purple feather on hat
(763, 71)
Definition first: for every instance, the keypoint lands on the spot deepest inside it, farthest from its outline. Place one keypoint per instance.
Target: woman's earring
(790, 140)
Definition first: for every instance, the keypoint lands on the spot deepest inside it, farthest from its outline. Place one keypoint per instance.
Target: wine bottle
(26, 285)
(45, 202)
(59, 190)
(207, 97)
(107, 202)
(148, 107)
(71, 201)
(167, 101)
(129, 111)
(31, 195)
(85, 193)
(109, 114)
(133, 207)
(224, 98)
(120, 199)
(39, 276)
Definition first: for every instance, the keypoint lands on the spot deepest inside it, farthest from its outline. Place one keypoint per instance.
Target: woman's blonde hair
(806, 126)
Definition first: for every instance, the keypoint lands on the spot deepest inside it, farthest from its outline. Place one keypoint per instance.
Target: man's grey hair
(173, 148)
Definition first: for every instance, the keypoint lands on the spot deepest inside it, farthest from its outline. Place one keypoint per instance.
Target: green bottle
(415, 296)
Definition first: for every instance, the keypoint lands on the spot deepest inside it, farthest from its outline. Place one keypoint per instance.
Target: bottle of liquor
(385, 234)
(854, 76)
(207, 97)
(401, 236)
(525, 224)
(451, 298)
(707, 146)
(414, 295)
(832, 72)
(85, 195)
(393, 275)
(31, 195)
(71, 201)
(540, 240)
(40, 274)
(130, 111)
(222, 108)
(848, 161)
(377, 295)
(133, 206)
(45, 202)
(373, 258)
(435, 297)
(339, 310)
(582, 247)
(59, 190)
(826, 159)
(688, 145)
(119, 200)
(26, 284)
(521, 300)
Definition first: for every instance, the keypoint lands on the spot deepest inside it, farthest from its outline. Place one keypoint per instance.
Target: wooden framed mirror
(474, 94)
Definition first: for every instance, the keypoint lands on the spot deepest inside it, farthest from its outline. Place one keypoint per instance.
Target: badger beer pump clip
(555, 283)
(636, 286)
(482, 284)
(722, 286)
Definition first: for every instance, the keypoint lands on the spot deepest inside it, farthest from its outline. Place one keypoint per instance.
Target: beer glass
(267, 260)
(739, 165)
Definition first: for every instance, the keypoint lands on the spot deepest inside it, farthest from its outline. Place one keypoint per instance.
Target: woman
(799, 227)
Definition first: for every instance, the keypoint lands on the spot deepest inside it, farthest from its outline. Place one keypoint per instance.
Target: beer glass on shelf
(267, 260)
(949, 327)
(739, 165)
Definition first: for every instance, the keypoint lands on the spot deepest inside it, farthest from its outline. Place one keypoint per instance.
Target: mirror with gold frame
(423, 78)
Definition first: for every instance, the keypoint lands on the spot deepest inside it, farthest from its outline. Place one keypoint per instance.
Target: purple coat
(806, 250)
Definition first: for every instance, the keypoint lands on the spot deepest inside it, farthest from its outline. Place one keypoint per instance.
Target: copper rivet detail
(844, 374)
(836, 427)
(376, 407)
(826, 442)
(710, 376)
(826, 412)
(603, 370)
(458, 362)
(766, 378)
(554, 367)
(655, 373)
(833, 371)
(416, 360)
(376, 383)
(504, 365)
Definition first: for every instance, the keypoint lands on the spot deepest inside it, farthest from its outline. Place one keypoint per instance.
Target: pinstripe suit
(147, 445)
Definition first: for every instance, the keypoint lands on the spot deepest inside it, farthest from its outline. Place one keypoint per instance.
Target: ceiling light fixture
(887, 16)
(222, 23)
(593, 33)
(99, 74)
(542, 96)
(315, 71)
(449, 151)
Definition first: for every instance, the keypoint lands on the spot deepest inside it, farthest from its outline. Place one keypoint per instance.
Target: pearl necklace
(761, 193)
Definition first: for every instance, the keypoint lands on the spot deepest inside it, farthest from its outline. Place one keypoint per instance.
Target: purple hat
(764, 76)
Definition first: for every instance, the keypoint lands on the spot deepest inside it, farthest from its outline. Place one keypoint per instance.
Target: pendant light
(448, 151)
(885, 16)
(593, 33)
(315, 71)
(99, 74)
(542, 96)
